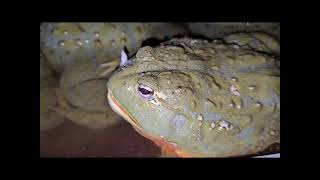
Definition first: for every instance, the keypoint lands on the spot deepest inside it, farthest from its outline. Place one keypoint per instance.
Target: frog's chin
(116, 107)
(120, 110)
(167, 147)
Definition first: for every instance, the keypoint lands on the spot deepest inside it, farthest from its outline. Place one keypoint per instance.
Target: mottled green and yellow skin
(197, 83)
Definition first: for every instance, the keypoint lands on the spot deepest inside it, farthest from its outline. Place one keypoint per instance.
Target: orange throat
(167, 148)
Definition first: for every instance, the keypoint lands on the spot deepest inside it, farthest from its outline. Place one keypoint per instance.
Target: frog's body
(83, 55)
(82, 93)
(62, 42)
(79, 96)
(201, 98)
(90, 119)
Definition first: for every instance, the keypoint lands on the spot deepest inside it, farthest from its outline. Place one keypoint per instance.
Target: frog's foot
(108, 67)
(91, 120)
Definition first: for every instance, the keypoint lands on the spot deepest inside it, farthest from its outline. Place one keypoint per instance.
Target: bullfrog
(200, 98)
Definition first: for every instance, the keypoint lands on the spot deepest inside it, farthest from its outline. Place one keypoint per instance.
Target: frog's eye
(145, 92)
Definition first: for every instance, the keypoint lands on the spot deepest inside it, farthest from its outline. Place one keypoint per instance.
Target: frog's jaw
(116, 107)
(166, 147)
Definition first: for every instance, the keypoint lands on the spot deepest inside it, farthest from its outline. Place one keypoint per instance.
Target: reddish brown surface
(71, 140)
(120, 140)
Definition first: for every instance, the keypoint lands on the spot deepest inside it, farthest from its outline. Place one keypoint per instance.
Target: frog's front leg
(91, 120)
(107, 68)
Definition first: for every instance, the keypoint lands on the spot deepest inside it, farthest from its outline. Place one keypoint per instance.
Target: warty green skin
(62, 42)
(191, 80)
(256, 41)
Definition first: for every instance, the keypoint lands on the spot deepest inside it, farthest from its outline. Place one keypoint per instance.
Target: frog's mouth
(115, 105)
(165, 146)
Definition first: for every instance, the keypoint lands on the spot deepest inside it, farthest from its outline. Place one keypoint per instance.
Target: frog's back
(238, 91)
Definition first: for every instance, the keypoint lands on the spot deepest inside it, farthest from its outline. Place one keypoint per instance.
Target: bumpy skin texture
(256, 41)
(76, 50)
(197, 83)
(48, 118)
(61, 42)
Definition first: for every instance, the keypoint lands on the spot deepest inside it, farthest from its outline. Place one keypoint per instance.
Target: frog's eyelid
(145, 87)
(124, 58)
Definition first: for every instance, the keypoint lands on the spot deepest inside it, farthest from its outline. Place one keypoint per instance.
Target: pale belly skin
(211, 99)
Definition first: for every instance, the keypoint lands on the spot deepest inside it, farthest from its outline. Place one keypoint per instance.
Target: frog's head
(153, 95)
(174, 96)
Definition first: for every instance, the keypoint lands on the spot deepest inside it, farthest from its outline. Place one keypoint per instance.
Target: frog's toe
(107, 68)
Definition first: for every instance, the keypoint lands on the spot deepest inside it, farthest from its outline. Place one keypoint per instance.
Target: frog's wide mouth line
(176, 151)
(116, 106)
